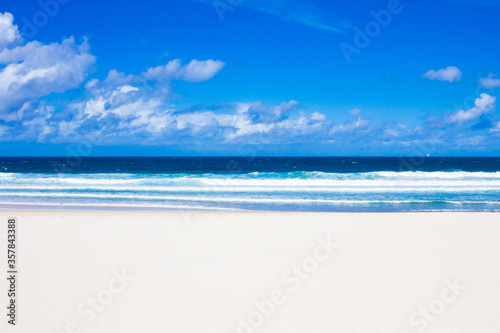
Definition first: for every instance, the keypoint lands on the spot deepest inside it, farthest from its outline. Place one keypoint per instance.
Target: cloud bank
(141, 109)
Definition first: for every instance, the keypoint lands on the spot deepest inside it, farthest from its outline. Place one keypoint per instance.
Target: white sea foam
(365, 188)
(264, 179)
(254, 189)
(224, 199)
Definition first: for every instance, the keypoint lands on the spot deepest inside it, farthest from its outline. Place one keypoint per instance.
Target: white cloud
(318, 116)
(140, 110)
(260, 113)
(490, 82)
(9, 34)
(168, 71)
(485, 104)
(35, 70)
(36, 125)
(195, 71)
(138, 104)
(360, 124)
(130, 115)
(450, 74)
(355, 112)
(120, 109)
(198, 71)
(496, 128)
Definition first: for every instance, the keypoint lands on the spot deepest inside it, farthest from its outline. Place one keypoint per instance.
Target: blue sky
(250, 77)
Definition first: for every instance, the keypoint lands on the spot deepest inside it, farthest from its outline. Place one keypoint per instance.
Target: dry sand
(178, 272)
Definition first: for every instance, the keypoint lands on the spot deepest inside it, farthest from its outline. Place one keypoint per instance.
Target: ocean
(307, 184)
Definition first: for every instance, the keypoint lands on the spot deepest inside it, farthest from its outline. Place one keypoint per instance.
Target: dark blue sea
(322, 184)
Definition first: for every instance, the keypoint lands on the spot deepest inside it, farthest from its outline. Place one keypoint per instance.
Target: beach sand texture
(109, 272)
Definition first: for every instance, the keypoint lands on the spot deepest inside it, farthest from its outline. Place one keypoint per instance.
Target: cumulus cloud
(128, 109)
(120, 109)
(484, 104)
(450, 74)
(195, 71)
(124, 116)
(490, 82)
(357, 123)
(260, 113)
(34, 70)
(257, 123)
(199, 71)
(138, 108)
(9, 34)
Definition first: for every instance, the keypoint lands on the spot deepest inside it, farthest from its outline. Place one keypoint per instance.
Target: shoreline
(48, 208)
(102, 208)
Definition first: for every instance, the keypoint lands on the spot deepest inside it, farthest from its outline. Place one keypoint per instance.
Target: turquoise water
(371, 191)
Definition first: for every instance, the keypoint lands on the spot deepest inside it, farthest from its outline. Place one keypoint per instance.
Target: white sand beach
(176, 272)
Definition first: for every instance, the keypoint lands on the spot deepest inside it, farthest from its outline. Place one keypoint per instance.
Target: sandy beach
(255, 272)
(230, 166)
